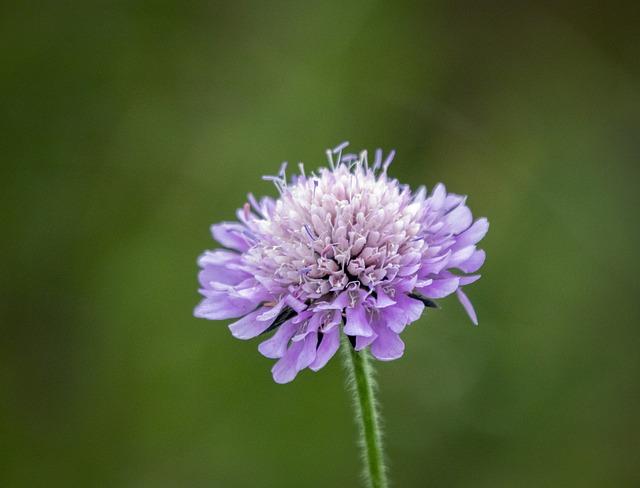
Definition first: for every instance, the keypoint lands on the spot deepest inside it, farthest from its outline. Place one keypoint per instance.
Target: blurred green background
(129, 127)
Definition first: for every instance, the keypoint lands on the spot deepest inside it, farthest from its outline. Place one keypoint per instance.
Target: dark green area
(129, 127)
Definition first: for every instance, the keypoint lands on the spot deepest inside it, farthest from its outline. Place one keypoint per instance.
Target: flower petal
(276, 345)
(467, 280)
(219, 257)
(308, 352)
(219, 306)
(406, 285)
(440, 288)
(388, 345)
(299, 355)
(435, 264)
(309, 326)
(335, 318)
(383, 299)
(410, 307)
(437, 198)
(249, 326)
(221, 266)
(271, 312)
(232, 235)
(460, 256)
(474, 263)
(285, 369)
(394, 318)
(459, 219)
(328, 347)
(357, 323)
(294, 303)
(362, 341)
(453, 200)
(220, 274)
(473, 234)
(409, 270)
(466, 303)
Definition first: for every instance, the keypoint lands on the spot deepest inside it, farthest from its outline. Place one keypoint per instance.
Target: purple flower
(344, 250)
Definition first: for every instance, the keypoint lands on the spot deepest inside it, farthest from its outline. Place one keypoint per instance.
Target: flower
(347, 250)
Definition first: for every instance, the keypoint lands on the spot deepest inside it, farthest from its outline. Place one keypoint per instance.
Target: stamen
(340, 147)
(363, 159)
(378, 160)
(330, 159)
(338, 150)
(348, 158)
(388, 161)
(277, 181)
(283, 172)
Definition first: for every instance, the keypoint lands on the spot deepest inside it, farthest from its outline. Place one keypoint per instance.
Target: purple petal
(219, 306)
(440, 288)
(388, 345)
(249, 326)
(383, 299)
(406, 285)
(453, 200)
(466, 303)
(285, 369)
(438, 196)
(232, 235)
(309, 327)
(473, 234)
(474, 263)
(276, 346)
(328, 347)
(423, 283)
(411, 308)
(221, 275)
(219, 257)
(434, 265)
(221, 266)
(394, 318)
(409, 270)
(467, 280)
(295, 304)
(335, 318)
(357, 322)
(308, 352)
(271, 312)
(247, 290)
(460, 256)
(458, 219)
(362, 341)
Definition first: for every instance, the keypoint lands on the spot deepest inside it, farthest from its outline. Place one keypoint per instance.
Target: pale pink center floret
(340, 230)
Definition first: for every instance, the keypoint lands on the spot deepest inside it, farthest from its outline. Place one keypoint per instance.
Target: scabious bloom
(347, 250)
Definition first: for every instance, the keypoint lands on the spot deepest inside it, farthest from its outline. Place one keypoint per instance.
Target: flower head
(346, 250)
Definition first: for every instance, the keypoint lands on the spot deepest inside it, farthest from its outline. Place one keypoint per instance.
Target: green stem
(363, 386)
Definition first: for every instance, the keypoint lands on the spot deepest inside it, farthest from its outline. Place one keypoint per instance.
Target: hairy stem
(362, 384)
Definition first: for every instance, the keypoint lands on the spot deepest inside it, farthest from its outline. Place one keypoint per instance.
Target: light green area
(129, 127)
